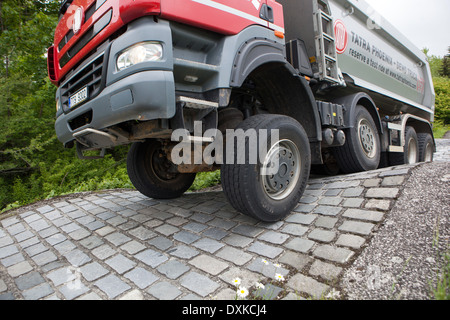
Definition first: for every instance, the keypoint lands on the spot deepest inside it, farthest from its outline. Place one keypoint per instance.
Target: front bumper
(142, 96)
(142, 92)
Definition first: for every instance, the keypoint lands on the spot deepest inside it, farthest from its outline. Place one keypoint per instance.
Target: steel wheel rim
(428, 153)
(412, 151)
(280, 184)
(366, 137)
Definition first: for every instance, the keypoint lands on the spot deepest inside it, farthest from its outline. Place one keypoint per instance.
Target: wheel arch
(420, 126)
(280, 87)
(350, 102)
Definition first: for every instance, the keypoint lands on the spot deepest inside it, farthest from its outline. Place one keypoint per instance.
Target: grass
(441, 291)
(439, 129)
(205, 180)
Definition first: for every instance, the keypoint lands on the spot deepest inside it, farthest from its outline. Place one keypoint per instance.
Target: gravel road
(405, 257)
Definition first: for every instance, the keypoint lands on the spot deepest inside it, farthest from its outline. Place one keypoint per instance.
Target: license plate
(78, 97)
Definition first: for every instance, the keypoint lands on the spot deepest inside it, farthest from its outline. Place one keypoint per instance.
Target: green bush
(442, 90)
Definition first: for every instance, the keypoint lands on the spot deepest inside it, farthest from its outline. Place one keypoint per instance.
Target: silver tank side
(377, 57)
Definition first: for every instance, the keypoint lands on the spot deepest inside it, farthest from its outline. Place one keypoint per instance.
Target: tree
(445, 68)
(33, 163)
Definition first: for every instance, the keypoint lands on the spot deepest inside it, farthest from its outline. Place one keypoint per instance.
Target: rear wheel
(153, 174)
(426, 147)
(361, 151)
(411, 149)
(269, 189)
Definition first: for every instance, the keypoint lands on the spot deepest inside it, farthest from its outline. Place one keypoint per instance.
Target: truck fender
(252, 54)
(258, 52)
(350, 102)
(419, 124)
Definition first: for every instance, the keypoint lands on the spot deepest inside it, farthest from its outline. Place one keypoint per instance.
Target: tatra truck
(307, 85)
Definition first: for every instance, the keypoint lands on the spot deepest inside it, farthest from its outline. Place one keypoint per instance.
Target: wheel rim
(278, 183)
(412, 151)
(160, 166)
(366, 135)
(428, 153)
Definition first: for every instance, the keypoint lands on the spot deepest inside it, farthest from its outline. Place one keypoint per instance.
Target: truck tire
(268, 197)
(411, 149)
(426, 147)
(361, 151)
(148, 170)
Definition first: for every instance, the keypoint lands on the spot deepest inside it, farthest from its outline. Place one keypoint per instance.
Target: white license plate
(78, 97)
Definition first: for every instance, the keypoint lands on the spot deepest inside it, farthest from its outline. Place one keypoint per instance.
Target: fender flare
(268, 59)
(252, 54)
(419, 124)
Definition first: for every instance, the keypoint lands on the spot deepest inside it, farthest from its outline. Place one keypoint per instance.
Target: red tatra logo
(341, 36)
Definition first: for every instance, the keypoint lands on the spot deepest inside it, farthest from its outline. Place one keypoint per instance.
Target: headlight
(58, 105)
(138, 53)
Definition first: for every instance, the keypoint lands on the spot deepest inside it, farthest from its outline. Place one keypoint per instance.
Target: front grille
(89, 76)
(87, 15)
(90, 34)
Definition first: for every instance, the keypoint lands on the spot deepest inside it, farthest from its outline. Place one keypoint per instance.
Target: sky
(426, 23)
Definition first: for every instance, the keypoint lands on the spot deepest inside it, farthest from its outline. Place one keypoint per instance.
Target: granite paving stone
(236, 256)
(325, 270)
(326, 222)
(161, 243)
(265, 250)
(295, 259)
(199, 284)
(357, 227)
(209, 245)
(112, 285)
(209, 264)
(38, 292)
(44, 258)
(267, 268)
(368, 215)
(327, 210)
(164, 291)
(322, 235)
(141, 277)
(119, 244)
(301, 218)
(294, 229)
(77, 257)
(350, 240)
(173, 269)
(299, 244)
(120, 263)
(274, 237)
(331, 253)
(301, 283)
(19, 269)
(93, 271)
(61, 275)
(390, 193)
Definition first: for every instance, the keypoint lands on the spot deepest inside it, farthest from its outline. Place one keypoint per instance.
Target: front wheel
(153, 174)
(270, 187)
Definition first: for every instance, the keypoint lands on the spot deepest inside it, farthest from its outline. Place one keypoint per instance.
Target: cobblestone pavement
(119, 244)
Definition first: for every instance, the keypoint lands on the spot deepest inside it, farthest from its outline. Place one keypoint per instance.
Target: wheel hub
(412, 151)
(367, 138)
(282, 170)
